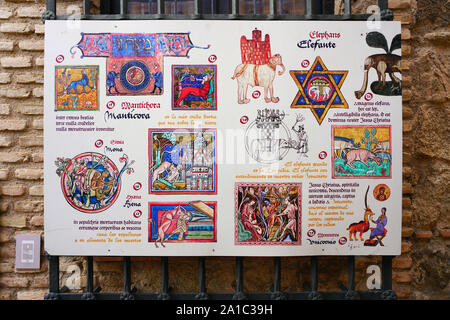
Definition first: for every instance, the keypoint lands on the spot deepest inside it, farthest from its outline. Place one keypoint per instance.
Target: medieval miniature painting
(268, 138)
(361, 152)
(134, 61)
(76, 88)
(133, 68)
(258, 67)
(267, 213)
(319, 89)
(127, 76)
(382, 192)
(90, 181)
(182, 161)
(194, 87)
(374, 229)
(386, 63)
(193, 221)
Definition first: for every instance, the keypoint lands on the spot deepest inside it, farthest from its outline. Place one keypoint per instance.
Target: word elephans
(324, 34)
(316, 40)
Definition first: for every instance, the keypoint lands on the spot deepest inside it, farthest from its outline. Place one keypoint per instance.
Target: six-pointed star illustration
(319, 89)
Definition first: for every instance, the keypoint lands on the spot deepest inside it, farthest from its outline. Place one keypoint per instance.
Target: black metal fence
(222, 10)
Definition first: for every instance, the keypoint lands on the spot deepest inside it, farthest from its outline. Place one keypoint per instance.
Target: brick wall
(421, 272)
(21, 141)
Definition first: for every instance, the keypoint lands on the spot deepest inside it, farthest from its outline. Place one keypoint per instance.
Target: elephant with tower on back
(258, 67)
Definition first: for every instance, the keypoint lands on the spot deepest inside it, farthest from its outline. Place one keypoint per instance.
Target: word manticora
(140, 105)
(129, 115)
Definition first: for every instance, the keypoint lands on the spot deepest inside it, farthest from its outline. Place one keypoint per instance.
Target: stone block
(15, 27)
(16, 62)
(29, 206)
(15, 221)
(13, 157)
(29, 173)
(13, 190)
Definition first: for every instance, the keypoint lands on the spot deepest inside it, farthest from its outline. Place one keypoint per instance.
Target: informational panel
(222, 138)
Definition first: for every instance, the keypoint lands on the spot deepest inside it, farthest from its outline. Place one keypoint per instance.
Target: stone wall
(426, 141)
(421, 272)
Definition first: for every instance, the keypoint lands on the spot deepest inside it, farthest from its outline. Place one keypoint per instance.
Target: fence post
(276, 292)
(89, 295)
(127, 292)
(386, 279)
(239, 295)
(351, 293)
(53, 278)
(164, 295)
(314, 294)
(202, 295)
(50, 11)
(385, 13)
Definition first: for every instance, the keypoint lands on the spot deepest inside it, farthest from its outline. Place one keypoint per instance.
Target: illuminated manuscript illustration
(319, 89)
(382, 192)
(383, 64)
(268, 139)
(76, 88)
(182, 161)
(193, 221)
(361, 152)
(194, 87)
(268, 213)
(258, 67)
(376, 227)
(90, 181)
(134, 64)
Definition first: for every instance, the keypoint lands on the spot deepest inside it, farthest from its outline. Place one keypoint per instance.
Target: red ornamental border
(267, 184)
(191, 130)
(360, 177)
(172, 102)
(214, 239)
(63, 176)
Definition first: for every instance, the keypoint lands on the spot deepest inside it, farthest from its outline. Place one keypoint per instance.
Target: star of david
(319, 89)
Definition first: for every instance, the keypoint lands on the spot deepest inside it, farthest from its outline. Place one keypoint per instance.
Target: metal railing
(310, 291)
(207, 9)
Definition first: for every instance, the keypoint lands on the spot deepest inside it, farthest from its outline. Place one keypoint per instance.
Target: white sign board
(227, 138)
